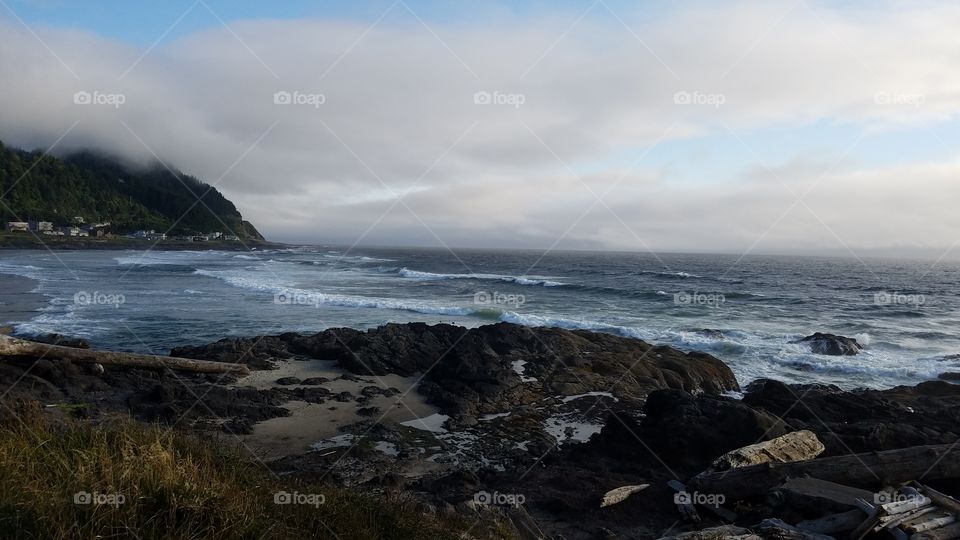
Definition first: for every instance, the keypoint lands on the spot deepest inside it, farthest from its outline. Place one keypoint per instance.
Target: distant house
(41, 226)
(149, 235)
(231, 237)
(18, 226)
(70, 231)
(214, 235)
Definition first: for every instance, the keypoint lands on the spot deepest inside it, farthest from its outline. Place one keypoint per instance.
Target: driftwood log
(13, 347)
(796, 446)
(817, 494)
(864, 470)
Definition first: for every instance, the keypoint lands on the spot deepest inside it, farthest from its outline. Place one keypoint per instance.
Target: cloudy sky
(761, 126)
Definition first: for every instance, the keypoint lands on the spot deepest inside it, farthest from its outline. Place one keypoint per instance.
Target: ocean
(746, 311)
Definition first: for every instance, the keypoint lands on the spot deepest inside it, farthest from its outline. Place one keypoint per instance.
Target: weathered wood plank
(13, 347)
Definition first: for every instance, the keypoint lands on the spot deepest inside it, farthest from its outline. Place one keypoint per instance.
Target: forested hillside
(40, 187)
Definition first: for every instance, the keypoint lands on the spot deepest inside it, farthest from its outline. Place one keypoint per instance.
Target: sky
(768, 126)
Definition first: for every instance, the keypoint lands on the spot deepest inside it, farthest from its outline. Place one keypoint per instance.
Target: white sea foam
(357, 258)
(519, 280)
(22, 270)
(527, 319)
(299, 296)
(155, 258)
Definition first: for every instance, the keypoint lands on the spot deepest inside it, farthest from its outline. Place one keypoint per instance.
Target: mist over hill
(100, 188)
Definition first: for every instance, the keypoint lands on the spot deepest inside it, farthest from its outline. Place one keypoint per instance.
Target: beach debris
(14, 347)
(900, 465)
(795, 446)
(816, 493)
(912, 512)
(621, 494)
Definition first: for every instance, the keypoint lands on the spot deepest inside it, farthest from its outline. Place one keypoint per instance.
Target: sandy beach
(311, 423)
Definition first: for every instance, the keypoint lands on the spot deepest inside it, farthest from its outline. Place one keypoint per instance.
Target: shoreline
(26, 241)
(546, 413)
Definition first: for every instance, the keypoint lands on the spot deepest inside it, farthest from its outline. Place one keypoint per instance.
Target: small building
(231, 237)
(18, 226)
(41, 226)
(151, 235)
(70, 231)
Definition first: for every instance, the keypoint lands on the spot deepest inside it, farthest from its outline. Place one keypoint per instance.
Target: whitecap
(284, 293)
(519, 280)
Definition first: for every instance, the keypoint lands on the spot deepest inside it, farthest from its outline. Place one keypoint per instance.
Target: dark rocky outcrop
(863, 420)
(831, 344)
(473, 371)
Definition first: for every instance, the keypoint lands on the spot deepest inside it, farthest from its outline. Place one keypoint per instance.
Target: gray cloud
(399, 109)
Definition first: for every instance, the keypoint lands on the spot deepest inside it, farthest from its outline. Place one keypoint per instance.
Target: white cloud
(399, 109)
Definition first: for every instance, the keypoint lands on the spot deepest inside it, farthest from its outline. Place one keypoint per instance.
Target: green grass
(178, 487)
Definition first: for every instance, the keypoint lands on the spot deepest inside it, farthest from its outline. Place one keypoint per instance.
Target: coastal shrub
(118, 478)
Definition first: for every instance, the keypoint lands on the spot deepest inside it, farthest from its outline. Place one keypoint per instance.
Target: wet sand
(310, 423)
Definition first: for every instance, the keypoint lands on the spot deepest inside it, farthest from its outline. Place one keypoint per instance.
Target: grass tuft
(124, 479)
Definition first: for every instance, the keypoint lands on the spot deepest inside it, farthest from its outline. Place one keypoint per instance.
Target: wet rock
(314, 381)
(711, 333)
(288, 381)
(480, 367)
(949, 376)
(831, 344)
(863, 420)
(368, 411)
(691, 431)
